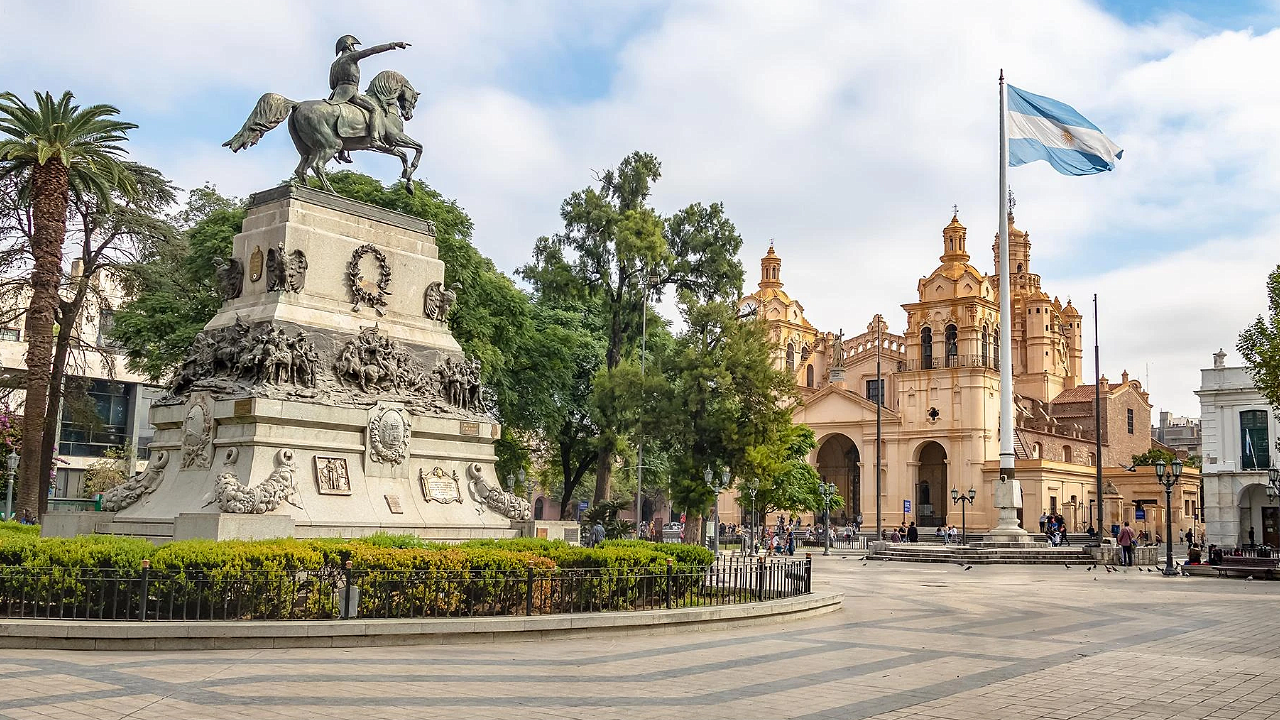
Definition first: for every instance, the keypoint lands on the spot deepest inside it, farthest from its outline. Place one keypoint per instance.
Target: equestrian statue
(348, 120)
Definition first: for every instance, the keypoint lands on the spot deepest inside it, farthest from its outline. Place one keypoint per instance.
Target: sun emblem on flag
(1067, 137)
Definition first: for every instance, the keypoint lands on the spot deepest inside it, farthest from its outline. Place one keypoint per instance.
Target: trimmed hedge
(399, 575)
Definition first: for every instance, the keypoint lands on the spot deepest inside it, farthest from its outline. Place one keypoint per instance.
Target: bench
(1250, 565)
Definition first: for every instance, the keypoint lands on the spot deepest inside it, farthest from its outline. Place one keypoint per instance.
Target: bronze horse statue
(321, 129)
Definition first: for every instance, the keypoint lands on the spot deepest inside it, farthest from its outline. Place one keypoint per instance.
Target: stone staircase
(970, 555)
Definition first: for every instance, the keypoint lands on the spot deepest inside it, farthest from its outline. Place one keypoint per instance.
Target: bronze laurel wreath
(374, 300)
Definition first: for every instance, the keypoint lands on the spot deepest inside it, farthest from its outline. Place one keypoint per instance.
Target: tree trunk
(604, 464)
(49, 211)
(70, 319)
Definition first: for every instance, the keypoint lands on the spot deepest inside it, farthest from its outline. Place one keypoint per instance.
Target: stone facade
(941, 395)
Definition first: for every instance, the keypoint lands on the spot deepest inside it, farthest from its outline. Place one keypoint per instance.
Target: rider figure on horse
(344, 81)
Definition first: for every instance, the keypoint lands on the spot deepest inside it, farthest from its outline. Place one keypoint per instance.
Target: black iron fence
(334, 593)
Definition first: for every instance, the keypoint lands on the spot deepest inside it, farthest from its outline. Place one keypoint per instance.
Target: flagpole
(1097, 417)
(1008, 492)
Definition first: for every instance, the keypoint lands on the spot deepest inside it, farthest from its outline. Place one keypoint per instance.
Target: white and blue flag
(1040, 128)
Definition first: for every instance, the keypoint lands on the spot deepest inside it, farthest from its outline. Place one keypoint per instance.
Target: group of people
(1054, 528)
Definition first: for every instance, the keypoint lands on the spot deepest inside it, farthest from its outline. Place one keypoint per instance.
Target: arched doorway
(838, 462)
(931, 486)
(538, 509)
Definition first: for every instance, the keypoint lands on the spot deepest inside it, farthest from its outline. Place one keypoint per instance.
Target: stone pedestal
(327, 397)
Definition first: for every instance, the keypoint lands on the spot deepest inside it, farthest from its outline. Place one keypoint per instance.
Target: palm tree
(56, 149)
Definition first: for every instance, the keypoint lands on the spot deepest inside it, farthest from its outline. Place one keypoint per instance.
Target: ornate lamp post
(1168, 480)
(1273, 486)
(827, 490)
(964, 501)
(717, 485)
(8, 496)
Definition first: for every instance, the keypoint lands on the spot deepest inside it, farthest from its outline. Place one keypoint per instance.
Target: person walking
(1190, 537)
(1251, 542)
(1044, 519)
(1126, 540)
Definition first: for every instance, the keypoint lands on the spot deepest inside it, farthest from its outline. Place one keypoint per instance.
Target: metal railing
(939, 362)
(341, 592)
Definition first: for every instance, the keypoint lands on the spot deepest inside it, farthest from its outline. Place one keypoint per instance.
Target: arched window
(1036, 450)
(808, 375)
(926, 348)
(995, 348)
(953, 346)
(986, 344)
(791, 358)
(1066, 453)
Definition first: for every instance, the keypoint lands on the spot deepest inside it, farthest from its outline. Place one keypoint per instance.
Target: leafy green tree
(57, 149)
(171, 287)
(723, 401)
(784, 479)
(1153, 455)
(1259, 345)
(614, 248)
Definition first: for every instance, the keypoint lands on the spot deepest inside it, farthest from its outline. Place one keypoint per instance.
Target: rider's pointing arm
(362, 54)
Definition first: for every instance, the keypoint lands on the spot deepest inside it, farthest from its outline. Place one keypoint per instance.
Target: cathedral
(938, 385)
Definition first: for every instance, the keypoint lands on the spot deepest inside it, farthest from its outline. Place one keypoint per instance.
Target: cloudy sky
(842, 131)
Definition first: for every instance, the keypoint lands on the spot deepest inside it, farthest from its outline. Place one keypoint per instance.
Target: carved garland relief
(372, 293)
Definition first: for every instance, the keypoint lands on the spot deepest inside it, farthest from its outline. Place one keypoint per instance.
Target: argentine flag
(1040, 128)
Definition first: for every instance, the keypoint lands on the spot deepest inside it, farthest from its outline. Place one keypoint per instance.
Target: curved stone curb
(239, 634)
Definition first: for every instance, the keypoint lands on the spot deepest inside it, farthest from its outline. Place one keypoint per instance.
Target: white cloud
(844, 131)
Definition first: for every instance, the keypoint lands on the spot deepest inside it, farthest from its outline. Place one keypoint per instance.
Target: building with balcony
(938, 389)
(1239, 431)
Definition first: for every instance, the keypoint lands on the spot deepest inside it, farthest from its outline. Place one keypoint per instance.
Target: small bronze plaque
(255, 265)
(542, 533)
(243, 407)
(332, 477)
(439, 486)
(469, 428)
(393, 504)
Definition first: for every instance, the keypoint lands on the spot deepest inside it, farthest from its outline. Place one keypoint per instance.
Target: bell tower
(770, 270)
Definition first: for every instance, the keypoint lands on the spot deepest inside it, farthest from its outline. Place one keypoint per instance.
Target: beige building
(940, 395)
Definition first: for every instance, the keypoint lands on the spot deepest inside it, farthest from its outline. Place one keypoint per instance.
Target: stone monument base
(327, 397)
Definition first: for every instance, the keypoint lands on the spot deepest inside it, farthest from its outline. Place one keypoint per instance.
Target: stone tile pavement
(912, 641)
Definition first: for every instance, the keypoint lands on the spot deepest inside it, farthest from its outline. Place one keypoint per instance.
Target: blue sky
(844, 131)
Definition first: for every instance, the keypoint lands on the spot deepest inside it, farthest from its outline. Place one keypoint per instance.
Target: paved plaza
(912, 641)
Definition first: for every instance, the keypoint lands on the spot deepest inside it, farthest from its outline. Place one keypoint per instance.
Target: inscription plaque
(242, 407)
(469, 428)
(332, 477)
(255, 265)
(439, 486)
(393, 504)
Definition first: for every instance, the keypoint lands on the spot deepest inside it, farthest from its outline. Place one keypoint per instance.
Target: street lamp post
(827, 490)
(8, 495)
(964, 501)
(1168, 480)
(752, 486)
(717, 485)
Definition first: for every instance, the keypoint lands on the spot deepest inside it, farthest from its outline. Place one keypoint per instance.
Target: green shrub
(399, 575)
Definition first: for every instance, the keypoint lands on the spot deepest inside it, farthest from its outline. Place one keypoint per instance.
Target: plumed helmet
(346, 42)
